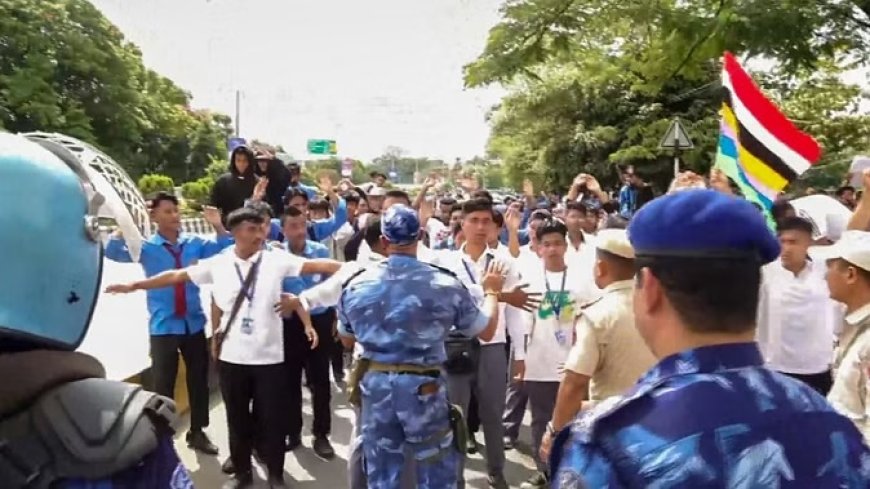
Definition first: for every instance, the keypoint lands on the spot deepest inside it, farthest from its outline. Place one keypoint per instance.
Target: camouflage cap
(400, 225)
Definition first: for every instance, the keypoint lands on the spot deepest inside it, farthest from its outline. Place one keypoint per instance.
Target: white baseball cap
(853, 247)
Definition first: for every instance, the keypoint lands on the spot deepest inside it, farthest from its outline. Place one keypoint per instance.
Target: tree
(593, 85)
(65, 68)
(657, 41)
(153, 183)
(197, 193)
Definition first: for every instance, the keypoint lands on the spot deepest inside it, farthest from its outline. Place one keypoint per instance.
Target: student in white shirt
(489, 382)
(251, 362)
(528, 263)
(796, 317)
(550, 330)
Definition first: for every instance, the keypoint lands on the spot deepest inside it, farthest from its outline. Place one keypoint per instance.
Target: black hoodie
(279, 180)
(232, 189)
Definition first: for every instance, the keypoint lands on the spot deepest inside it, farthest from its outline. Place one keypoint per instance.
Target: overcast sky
(369, 74)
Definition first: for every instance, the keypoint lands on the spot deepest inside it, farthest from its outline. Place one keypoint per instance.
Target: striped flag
(759, 148)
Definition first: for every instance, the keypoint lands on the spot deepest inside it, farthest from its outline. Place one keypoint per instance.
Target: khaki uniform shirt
(850, 395)
(609, 348)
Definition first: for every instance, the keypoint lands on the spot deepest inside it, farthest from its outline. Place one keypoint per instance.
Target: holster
(459, 428)
(357, 372)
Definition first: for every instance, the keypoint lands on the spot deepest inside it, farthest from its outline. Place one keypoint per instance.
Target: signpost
(322, 147)
(677, 139)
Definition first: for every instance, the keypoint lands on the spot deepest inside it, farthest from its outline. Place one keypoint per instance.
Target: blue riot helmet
(50, 250)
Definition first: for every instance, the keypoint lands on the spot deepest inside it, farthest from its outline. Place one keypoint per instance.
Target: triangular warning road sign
(676, 137)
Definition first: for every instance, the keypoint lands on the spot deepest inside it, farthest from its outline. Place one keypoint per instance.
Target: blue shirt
(317, 230)
(712, 417)
(627, 201)
(296, 285)
(155, 259)
(310, 191)
(401, 310)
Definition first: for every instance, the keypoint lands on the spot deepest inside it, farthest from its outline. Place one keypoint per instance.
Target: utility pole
(238, 104)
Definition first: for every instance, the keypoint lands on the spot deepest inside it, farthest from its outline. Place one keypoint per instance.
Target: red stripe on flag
(767, 114)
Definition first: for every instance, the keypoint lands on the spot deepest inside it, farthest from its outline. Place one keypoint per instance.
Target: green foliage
(153, 183)
(593, 85)
(395, 159)
(197, 193)
(65, 68)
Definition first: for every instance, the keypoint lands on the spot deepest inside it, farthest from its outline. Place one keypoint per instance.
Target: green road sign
(322, 147)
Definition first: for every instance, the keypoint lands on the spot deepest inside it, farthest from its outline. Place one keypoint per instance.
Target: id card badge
(247, 326)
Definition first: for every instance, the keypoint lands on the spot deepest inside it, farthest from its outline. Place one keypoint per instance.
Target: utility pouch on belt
(459, 428)
(357, 372)
(463, 354)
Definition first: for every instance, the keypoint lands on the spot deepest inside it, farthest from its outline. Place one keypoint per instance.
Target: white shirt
(550, 336)
(583, 259)
(339, 240)
(796, 319)
(528, 260)
(264, 345)
(470, 273)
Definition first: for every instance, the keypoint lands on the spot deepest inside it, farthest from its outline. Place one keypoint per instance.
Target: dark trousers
(337, 359)
(256, 405)
(164, 370)
(821, 382)
(473, 418)
(298, 355)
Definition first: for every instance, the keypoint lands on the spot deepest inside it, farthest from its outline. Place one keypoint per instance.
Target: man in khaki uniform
(849, 282)
(609, 355)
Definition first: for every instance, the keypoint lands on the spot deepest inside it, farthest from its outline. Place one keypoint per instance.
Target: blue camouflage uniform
(711, 416)
(400, 312)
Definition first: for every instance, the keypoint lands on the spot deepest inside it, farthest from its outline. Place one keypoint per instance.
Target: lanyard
(249, 293)
(470, 273)
(557, 302)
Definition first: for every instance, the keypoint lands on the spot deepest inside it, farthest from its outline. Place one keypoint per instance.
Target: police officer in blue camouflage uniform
(708, 414)
(401, 312)
(62, 424)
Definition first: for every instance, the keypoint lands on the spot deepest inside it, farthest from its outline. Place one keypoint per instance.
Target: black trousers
(298, 355)
(164, 370)
(337, 359)
(256, 407)
(821, 382)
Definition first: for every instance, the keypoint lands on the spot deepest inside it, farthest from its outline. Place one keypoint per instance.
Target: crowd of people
(556, 326)
(656, 341)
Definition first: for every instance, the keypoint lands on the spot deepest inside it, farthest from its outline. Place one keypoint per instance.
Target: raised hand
(528, 188)
(521, 299)
(325, 184)
(493, 281)
(212, 215)
(512, 219)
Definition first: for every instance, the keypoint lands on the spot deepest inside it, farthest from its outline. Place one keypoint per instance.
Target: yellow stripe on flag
(759, 170)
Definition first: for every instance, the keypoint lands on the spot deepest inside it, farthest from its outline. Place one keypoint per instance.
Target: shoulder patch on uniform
(445, 270)
(355, 275)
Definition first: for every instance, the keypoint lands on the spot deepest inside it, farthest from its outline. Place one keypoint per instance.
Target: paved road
(305, 470)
